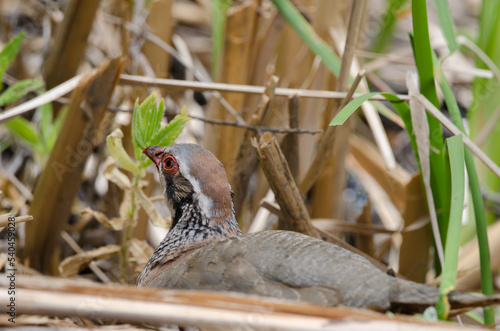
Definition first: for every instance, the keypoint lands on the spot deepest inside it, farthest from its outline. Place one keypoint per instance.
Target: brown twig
(283, 185)
(290, 143)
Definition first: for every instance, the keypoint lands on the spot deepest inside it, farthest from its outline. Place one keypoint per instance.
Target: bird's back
(286, 265)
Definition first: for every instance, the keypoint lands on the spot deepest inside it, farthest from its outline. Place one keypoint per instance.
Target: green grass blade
(476, 196)
(56, 127)
(398, 104)
(449, 275)
(440, 180)
(482, 234)
(444, 15)
(46, 122)
(9, 52)
(388, 23)
(487, 18)
(307, 33)
(24, 130)
(18, 90)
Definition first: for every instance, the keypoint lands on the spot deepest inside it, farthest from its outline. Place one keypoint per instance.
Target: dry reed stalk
(62, 297)
(71, 40)
(328, 14)
(339, 142)
(290, 143)
(59, 182)
(239, 88)
(160, 24)
(240, 30)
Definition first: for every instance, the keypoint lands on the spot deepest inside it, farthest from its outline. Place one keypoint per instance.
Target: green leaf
(136, 134)
(9, 52)
(444, 15)
(45, 123)
(154, 117)
(476, 196)
(24, 130)
(19, 90)
(440, 176)
(115, 148)
(4, 63)
(388, 23)
(56, 127)
(168, 134)
(141, 121)
(449, 275)
(398, 104)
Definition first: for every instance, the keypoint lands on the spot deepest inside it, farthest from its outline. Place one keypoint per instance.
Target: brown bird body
(204, 250)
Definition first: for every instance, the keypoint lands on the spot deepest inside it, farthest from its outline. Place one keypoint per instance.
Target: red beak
(154, 153)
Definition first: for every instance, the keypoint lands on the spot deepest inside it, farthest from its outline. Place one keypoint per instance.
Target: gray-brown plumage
(204, 249)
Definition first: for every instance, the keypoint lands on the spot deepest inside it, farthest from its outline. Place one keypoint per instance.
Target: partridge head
(204, 249)
(199, 199)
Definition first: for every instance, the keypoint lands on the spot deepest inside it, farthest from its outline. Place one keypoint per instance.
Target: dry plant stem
(71, 40)
(159, 22)
(93, 266)
(240, 30)
(340, 137)
(49, 96)
(62, 298)
(281, 181)
(245, 160)
(4, 219)
(239, 88)
(61, 178)
(70, 85)
(290, 143)
(325, 149)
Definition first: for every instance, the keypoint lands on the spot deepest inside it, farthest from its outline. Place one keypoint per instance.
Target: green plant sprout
(41, 139)
(147, 130)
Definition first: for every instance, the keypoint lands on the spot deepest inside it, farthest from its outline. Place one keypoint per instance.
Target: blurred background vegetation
(391, 180)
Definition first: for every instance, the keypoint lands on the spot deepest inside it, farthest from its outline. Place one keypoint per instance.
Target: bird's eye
(168, 163)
